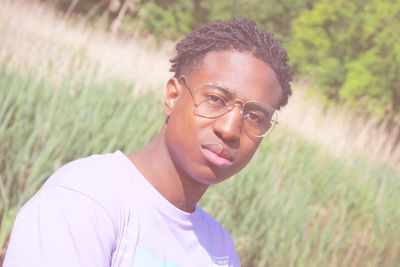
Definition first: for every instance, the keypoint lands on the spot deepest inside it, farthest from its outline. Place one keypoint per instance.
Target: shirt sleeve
(61, 227)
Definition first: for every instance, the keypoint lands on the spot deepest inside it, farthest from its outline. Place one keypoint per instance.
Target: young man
(141, 210)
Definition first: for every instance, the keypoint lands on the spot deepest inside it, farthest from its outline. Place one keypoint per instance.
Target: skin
(177, 162)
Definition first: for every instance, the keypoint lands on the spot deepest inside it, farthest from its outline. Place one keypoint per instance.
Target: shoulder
(93, 173)
(81, 204)
(105, 179)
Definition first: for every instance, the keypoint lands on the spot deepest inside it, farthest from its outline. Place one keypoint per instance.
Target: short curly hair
(237, 34)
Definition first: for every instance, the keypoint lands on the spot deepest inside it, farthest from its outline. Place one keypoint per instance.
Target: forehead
(240, 72)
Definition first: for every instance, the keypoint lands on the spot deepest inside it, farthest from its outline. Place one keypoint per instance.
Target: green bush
(352, 51)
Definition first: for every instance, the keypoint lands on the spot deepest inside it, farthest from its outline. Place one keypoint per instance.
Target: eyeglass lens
(213, 101)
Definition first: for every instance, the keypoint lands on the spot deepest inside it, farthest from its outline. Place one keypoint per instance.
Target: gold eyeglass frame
(231, 106)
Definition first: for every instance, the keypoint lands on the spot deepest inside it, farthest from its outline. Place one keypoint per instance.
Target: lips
(217, 155)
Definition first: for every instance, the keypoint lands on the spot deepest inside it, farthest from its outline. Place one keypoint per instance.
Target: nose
(228, 127)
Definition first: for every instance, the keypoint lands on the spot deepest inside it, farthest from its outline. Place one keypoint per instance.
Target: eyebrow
(233, 93)
(226, 90)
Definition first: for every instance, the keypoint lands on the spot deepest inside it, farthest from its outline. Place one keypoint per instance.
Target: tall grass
(35, 36)
(340, 130)
(321, 190)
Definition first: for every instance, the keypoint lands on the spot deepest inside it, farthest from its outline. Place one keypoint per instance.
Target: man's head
(238, 34)
(231, 55)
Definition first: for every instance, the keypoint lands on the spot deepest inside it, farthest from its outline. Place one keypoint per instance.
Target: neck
(174, 184)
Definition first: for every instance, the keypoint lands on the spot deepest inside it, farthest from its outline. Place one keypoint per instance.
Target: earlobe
(171, 95)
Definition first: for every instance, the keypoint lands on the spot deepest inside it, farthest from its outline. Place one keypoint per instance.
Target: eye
(214, 99)
(254, 117)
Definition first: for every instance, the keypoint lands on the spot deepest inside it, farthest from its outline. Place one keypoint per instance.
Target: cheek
(183, 130)
(186, 127)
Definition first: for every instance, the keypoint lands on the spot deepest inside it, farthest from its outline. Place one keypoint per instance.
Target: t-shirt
(101, 211)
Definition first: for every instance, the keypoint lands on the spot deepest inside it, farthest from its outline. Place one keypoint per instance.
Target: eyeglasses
(212, 101)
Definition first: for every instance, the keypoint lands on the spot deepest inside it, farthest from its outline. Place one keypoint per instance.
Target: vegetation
(317, 193)
(356, 52)
(349, 49)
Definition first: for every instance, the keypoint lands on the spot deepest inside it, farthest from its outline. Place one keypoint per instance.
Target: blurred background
(79, 77)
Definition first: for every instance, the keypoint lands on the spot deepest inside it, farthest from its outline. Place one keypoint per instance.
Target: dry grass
(36, 36)
(340, 130)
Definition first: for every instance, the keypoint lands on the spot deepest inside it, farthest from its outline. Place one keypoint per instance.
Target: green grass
(296, 204)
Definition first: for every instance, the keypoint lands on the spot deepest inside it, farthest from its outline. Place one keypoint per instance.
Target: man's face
(211, 150)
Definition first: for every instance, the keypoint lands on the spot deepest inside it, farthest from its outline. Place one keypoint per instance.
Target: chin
(210, 176)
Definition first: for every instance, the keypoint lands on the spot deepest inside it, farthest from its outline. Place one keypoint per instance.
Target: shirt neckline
(155, 196)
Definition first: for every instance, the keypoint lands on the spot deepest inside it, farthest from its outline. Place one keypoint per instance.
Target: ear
(173, 91)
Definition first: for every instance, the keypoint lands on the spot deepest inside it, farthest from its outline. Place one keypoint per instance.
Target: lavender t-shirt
(100, 211)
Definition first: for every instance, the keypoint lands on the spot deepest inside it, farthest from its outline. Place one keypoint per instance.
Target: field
(323, 189)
